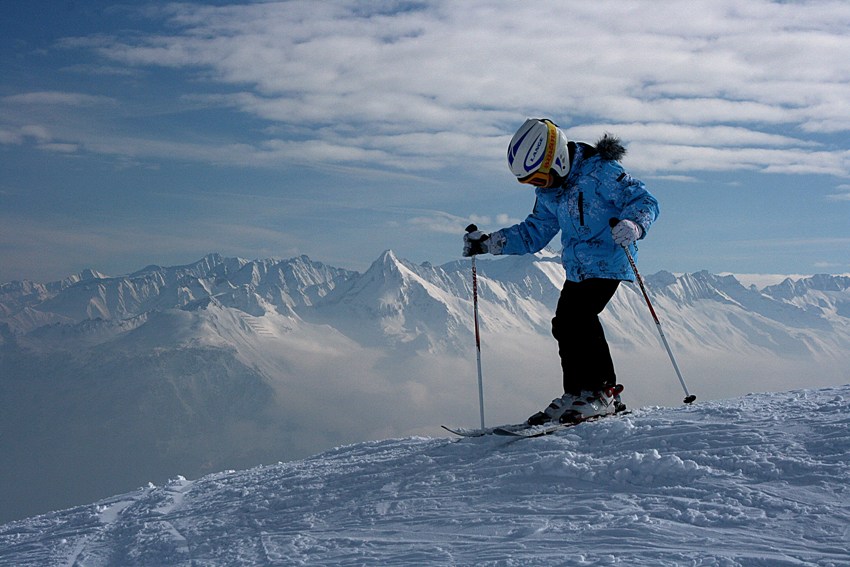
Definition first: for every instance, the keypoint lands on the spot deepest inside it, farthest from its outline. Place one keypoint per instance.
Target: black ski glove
(475, 242)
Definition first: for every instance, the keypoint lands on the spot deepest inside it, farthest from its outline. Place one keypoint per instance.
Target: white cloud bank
(414, 86)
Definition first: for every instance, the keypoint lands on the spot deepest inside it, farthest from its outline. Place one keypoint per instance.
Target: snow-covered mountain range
(228, 363)
(760, 480)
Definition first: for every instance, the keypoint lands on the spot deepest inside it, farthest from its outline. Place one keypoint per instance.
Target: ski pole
(472, 228)
(689, 398)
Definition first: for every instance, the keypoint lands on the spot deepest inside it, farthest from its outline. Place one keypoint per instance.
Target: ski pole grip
(471, 228)
(612, 222)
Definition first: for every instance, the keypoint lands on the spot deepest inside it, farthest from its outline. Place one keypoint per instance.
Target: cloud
(57, 98)
(62, 247)
(702, 85)
(689, 135)
(59, 147)
(839, 196)
(24, 119)
(21, 134)
(447, 223)
(439, 221)
(675, 178)
(832, 266)
(100, 70)
(827, 243)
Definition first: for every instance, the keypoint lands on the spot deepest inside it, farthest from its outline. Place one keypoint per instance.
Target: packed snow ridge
(762, 480)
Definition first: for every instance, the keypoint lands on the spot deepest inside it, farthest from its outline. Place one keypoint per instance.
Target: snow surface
(762, 480)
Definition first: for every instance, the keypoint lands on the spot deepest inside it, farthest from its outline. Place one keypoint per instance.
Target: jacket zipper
(581, 208)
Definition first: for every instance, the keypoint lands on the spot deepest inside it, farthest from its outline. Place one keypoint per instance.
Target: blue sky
(143, 133)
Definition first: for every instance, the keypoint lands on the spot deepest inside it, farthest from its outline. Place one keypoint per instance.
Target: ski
(523, 429)
(532, 430)
(548, 428)
(478, 432)
(526, 430)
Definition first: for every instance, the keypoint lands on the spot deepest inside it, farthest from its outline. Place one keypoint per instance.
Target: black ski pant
(585, 357)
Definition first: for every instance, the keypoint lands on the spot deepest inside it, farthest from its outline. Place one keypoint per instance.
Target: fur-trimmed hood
(610, 148)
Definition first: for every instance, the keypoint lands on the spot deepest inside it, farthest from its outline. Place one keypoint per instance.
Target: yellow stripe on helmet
(551, 144)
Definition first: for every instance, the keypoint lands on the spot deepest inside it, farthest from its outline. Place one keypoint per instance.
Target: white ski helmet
(538, 153)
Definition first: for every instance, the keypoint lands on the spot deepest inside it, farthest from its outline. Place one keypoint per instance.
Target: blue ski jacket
(596, 189)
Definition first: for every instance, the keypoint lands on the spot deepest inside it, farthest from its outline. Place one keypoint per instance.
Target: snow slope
(762, 480)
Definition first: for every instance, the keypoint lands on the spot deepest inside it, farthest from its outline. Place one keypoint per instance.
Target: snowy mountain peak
(402, 301)
(790, 289)
(387, 257)
(233, 282)
(386, 280)
(90, 274)
(388, 267)
(394, 302)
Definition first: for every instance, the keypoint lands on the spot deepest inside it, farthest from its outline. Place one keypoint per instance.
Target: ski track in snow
(762, 480)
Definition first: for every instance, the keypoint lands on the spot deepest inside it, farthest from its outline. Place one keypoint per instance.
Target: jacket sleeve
(635, 202)
(529, 236)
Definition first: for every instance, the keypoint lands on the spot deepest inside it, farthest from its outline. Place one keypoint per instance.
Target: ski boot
(591, 405)
(554, 411)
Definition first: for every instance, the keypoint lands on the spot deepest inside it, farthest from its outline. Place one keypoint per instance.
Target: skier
(579, 189)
